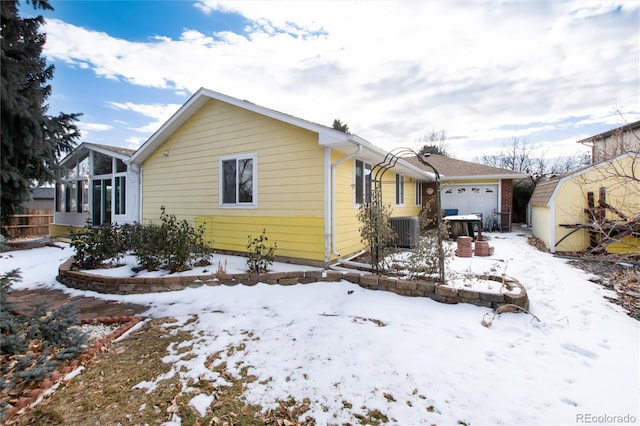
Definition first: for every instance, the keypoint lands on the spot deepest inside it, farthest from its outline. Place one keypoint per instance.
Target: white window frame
(399, 189)
(366, 182)
(419, 193)
(254, 182)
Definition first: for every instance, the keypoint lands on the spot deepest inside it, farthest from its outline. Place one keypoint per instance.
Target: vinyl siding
(540, 217)
(290, 178)
(571, 199)
(347, 224)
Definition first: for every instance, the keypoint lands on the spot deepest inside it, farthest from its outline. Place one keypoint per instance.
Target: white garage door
(481, 198)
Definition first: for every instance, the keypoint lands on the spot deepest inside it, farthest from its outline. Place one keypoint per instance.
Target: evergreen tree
(34, 342)
(339, 125)
(32, 141)
(434, 143)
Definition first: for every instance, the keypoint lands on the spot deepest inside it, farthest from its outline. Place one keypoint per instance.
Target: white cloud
(159, 112)
(393, 70)
(98, 127)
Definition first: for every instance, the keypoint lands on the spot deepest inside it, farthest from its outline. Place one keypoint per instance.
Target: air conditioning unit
(407, 231)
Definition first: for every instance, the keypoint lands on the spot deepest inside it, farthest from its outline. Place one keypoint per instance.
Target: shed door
(468, 199)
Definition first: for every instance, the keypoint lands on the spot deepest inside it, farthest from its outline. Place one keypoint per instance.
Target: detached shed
(560, 206)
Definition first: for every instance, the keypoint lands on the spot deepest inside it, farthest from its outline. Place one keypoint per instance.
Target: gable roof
(81, 150)
(544, 191)
(453, 169)
(327, 136)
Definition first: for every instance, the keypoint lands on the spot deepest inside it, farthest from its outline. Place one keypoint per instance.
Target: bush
(93, 246)
(172, 244)
(424, 261)
(259, 256)
(184, 245)
(33, 343)
(376, 231)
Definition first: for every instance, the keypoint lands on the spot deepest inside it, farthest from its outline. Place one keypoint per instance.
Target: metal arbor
(390, 160)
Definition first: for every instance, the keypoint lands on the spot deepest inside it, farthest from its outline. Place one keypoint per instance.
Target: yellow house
(559, 205)
(238, 168)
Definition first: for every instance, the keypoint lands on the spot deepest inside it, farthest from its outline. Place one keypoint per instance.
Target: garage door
(471, 198)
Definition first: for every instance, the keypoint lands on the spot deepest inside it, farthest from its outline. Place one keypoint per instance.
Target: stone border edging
(420, 288)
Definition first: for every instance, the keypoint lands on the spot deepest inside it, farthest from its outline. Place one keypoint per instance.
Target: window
(102, 164)
(102, 189)
(82, 196)
(418, 193)
(121, 194)
(237, 181)
(121, 166)
(363, 182)
(399, 189)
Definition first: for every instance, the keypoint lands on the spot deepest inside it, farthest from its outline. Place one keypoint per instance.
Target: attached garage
(471, 198)
(470, 188)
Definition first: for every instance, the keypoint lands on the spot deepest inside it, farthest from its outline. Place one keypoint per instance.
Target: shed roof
(42, 193)
(543, 192)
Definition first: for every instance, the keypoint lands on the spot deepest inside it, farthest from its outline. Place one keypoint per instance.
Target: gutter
(332, 218)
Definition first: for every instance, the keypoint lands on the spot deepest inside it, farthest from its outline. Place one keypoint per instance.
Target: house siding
(619, 142)
(540, 221)
(290, 180)
(347, 225)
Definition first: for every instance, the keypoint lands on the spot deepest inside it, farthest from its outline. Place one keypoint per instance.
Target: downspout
(140, 171)
(552, 227)
(333, 196)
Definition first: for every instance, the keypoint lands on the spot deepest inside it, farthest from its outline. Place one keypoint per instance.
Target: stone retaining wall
(416, 288)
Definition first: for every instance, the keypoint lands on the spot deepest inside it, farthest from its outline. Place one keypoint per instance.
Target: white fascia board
(84, 148)
(327, 135)
(484, 177)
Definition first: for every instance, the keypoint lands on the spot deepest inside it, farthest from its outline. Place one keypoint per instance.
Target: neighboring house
(471, 187)
(238, 168)
(33, 216)
(614, 142)
(41, 199)
(100, 186)
(559, 204)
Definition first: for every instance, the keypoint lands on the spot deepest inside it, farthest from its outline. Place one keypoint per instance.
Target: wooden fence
(32, 223)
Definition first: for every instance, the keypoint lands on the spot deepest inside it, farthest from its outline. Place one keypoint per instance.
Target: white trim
(329, 203)
(327, 136)
(552, 228)
(254, 181)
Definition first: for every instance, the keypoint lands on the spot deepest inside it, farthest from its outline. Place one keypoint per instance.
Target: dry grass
(103, 394)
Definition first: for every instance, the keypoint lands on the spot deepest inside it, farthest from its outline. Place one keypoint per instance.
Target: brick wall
(506, 202)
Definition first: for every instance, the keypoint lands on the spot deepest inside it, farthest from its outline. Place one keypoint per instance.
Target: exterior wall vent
(407, 231)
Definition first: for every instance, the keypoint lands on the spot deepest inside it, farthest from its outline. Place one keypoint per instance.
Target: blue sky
(552, 72)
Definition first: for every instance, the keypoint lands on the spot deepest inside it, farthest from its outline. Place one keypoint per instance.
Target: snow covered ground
(419, 362)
